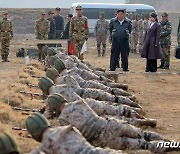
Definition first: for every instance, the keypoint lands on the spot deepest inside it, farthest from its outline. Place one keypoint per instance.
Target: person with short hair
(120, 28)
(59, 23)
(151, 47)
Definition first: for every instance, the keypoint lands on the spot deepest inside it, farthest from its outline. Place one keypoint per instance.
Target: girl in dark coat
(151, 47)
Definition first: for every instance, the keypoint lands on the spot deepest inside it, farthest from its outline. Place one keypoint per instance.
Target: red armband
(86, 26)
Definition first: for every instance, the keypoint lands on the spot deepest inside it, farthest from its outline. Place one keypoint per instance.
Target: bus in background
(92, 10)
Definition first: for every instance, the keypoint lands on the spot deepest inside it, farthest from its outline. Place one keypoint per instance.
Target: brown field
(158, 93)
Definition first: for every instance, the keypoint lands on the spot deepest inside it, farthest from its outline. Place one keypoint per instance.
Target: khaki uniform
(107, 132)
(100, 32)
(42, 28)
(134, 35)
(140, 35)
(69, 91)
(78, 33)
(68, 140)
(6, 33)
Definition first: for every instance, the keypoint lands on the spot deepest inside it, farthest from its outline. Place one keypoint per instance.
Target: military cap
(78, 7)
(5, 12)
(58, 9)
(50, 12)
(43, 12)
(44, 84)
(7, 144)
(52, 73)
(164, 14)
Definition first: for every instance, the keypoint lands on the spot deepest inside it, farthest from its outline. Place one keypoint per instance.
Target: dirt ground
(158, 93)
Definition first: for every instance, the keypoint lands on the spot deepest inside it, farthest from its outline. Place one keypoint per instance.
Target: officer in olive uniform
(6, 34)
(78, 31)
(165, 40)
(8, 145)
(120, 28)
(100, 32)
(42, 27)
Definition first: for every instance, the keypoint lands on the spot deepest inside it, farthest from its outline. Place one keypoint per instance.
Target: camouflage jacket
(145, 25)
(165, 36)
(6, 29)
(79, 28)
(67, 139)
(140, 25)
(101, 27)
(42, 28)
(135, 26)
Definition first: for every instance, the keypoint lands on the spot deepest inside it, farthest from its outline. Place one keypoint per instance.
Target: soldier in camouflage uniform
(78, 31)
(72, 90)
(145, 24)
(86, 75)
(106, 110)
(60, 140)
(140, 35)
(109, 132)
(53, 74)
(165, 40)
(134, 34)
(6, 34)
(42, 28)
(100, 32)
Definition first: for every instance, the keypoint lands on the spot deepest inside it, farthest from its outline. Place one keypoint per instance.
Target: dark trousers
(151, 65)
(119, 47)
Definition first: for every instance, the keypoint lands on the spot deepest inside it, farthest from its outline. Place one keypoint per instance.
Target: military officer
(106, 132)
(42, 27)
(165, 40)
(100, 32)
(6, 34)
(65, 139)
(78, 31)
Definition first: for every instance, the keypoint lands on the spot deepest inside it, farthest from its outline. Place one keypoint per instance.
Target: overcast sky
(48, 3)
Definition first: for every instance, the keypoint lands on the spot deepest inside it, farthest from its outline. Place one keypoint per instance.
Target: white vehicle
(92, 10)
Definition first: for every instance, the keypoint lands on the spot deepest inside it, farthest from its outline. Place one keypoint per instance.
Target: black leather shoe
(126, 70)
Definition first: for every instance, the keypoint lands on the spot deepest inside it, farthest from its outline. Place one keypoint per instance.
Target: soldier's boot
(103, 50)
(3, 58)
(147, 122)
(99, 53)
(39, 56)
(162, 64)
(166, 65)
(6, 58)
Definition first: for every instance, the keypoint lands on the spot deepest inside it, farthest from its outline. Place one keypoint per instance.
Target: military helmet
(54, 102)
(51, 51)
(7, 144)
(51, 60)
(44, 50)
(44, 84)
(36, 124)
(59, 65)
(52, 73)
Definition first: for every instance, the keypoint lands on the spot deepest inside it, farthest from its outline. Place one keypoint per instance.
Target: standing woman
(151, 47)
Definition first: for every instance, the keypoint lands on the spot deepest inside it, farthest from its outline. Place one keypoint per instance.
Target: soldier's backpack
(177, 52)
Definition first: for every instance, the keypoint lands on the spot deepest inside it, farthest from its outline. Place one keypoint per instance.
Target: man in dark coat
(52, 32)
(59, 23)
(151, 47)
(120, 28)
